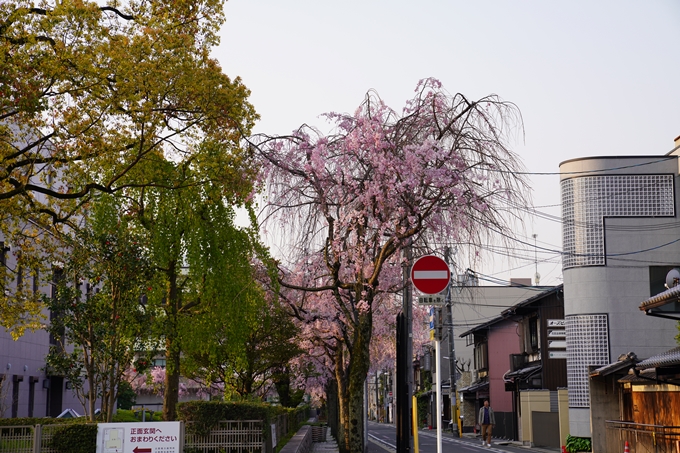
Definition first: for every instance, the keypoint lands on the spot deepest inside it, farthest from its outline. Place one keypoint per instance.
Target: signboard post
(147, 437)
(430, 274)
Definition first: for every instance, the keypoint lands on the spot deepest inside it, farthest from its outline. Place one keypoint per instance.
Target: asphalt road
(382, 439)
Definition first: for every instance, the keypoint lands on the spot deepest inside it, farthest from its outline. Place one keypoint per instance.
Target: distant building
(473, 304)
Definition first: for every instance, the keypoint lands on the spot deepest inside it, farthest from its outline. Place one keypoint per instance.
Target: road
(382, 439)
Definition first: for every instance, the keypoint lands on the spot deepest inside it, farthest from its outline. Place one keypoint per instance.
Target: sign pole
(453, 396)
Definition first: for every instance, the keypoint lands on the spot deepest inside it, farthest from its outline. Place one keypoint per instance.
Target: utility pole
(404, 389)
(452, 350)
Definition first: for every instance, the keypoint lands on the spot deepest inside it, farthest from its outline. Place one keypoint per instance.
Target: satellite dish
(673, 278)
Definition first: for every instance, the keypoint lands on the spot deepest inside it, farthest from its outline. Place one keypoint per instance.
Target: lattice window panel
(587, 200)
(587, 344)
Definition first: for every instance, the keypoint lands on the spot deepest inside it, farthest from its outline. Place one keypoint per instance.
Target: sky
(590, 78)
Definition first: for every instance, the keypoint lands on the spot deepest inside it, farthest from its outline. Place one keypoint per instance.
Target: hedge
(207, 414)
(75, 439)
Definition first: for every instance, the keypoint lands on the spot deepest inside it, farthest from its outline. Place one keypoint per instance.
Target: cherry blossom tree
(350, 202)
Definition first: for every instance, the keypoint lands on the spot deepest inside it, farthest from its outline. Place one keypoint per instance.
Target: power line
(623, 167)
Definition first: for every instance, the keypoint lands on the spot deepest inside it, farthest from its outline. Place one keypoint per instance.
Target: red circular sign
(430, 274)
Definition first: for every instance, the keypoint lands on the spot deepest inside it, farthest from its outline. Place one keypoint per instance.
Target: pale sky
(589, 77)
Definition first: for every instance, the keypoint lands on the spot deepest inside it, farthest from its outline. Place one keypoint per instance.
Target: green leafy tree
(249, 365)
(88, 94)
(126, 396)
(97, 318)
(202, 259)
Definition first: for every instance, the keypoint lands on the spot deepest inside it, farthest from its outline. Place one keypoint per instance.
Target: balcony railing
(642, 438)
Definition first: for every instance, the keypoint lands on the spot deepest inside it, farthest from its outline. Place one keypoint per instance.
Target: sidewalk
(494, 441)
(330, 446)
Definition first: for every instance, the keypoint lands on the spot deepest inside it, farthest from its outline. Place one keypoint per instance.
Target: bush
(32, 421)
(207, 414)
(126, 396)
(76, 438)
(576, 444)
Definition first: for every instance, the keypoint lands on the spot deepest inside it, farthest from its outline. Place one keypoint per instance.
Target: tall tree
(440, 172)
(203, 260)
(88, 93)
(98, 319)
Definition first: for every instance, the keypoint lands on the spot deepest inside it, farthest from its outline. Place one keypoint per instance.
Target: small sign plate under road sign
(436, 299)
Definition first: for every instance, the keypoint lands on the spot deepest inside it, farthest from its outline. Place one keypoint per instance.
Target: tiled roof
(668, 358)
(524, 373)
(505, 314)
(645, 377)
(624, 362)
(670, 295)
(474, 387)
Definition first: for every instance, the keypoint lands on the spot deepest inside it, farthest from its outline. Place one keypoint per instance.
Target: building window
(533, 334)
(159, 363)
(36, 282)
(480, 356)
(587, 200)
(57, 276)
(587, 344)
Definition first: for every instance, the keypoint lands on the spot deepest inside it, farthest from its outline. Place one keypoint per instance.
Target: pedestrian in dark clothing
(487, 419)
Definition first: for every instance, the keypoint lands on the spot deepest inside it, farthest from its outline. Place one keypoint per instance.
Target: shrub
(76, 438)
(576, 444)
(206, 414)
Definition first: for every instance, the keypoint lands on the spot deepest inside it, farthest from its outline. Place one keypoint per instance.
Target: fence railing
(17, 439)
(236, 436)
(240, 436)
(27, 438)
(642, 438)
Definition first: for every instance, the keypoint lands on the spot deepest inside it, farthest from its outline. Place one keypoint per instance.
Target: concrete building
(620, 239)
(27, 388)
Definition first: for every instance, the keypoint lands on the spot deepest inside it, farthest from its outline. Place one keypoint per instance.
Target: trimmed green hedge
(32, 421)
(207, 414)
(75, 439)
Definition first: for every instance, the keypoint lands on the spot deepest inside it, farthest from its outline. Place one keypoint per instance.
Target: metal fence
(642, 438)
(229, 436)
(17, 439)
(27, 438)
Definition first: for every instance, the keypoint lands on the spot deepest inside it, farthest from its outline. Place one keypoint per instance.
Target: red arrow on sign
(141, 450)
(430, 274)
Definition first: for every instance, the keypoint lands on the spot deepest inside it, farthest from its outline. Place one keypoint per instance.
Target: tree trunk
(343, 401)
(92, 392)
(112, 392)
(171, 393)
(172, 350)
(352, 399)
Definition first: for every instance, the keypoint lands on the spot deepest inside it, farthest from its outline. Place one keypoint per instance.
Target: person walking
(487, 419)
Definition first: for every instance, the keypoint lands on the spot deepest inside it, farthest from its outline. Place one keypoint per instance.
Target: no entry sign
(430, 274)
